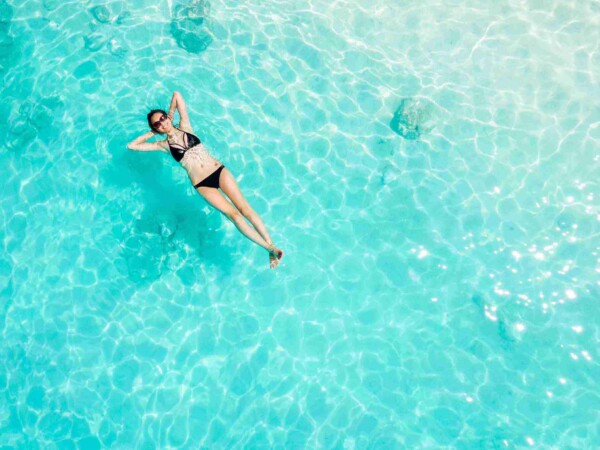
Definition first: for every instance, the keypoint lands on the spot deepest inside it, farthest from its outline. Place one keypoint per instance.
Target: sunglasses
(159, 121)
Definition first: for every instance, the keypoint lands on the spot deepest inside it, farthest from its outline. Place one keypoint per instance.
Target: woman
(207, 174)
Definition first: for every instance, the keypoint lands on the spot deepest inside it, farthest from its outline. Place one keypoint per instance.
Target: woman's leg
(229, 186)
(218, 200)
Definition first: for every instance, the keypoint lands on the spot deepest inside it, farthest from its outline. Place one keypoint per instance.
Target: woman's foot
(275, 255)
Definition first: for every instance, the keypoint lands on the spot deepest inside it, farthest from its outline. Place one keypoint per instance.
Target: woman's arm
(141, 145)
(178, 103)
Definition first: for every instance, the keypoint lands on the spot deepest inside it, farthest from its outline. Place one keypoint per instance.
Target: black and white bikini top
(189, 140)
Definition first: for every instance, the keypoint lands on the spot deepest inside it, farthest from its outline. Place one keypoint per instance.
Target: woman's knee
(234, 215)
(247, 211)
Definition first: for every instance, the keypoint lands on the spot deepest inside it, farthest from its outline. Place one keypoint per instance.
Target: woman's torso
(193, 156)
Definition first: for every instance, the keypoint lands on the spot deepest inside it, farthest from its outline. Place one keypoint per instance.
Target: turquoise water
(431, 171)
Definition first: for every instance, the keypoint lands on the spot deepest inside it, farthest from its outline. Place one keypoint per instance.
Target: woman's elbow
(130, 146)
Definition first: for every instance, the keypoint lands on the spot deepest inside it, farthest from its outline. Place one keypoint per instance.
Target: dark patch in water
(116, 49)
(94, 41)
(123, 18)
(190, 26)
(101, 13)
(412, 118)
(502, 329)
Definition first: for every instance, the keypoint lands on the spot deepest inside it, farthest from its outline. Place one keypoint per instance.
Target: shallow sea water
(430, 170)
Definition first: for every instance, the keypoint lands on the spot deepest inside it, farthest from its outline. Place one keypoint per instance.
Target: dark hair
(150, 114)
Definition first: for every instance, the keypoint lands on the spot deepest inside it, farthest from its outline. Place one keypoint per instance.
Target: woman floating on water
(206, 173)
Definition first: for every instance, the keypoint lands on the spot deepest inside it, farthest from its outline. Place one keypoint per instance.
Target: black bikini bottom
(212, 180)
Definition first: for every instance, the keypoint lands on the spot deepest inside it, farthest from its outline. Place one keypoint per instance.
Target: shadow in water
(173, 225)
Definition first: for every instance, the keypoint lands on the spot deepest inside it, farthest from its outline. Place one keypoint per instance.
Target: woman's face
(161, 122)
